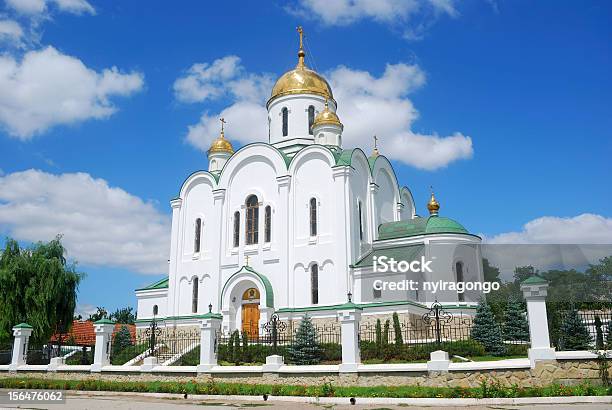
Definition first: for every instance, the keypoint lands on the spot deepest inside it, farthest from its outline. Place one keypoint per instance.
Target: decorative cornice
(176, 203)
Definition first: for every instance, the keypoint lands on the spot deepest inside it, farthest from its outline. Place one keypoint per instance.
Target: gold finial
(246, 260)
(375, 153)
(221, 144)
(433, 205)
(301, 53)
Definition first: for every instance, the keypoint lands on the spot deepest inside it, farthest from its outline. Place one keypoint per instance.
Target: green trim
(262, 277)
(160, 284)
(420, 226)
(211, 315)
(203, 316)
(104, 322)
(353, 305)
(22, 326)
(402, 252)
(534, 280)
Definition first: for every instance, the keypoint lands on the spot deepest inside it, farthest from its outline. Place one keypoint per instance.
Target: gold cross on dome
(375, 142)
(222, 123)
(247, 260)
(300, 30)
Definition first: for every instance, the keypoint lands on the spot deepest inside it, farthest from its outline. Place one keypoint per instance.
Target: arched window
(155, 310)
(314, 284)
(194, 296)
(311, 116)
(252, 220)
(268, 224)
(285, 114)
(236, 229)
(360, 222)
(376, 293)
(459, 271)
(313, 217)
(198, 231)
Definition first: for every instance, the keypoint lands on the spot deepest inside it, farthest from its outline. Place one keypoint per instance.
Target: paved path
(146, 403)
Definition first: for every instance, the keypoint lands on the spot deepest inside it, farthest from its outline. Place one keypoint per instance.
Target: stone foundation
(566, 372)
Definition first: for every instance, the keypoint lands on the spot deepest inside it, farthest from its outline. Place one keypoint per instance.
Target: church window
(194, 296)
(311, 115)
(155, 310)
(360, 222)
(236, 229)
(314, 284)
(198, 232)
(285, 114)
(268, 224)
(252, 220)
(376, 293)
(313, 217)
(459, 272)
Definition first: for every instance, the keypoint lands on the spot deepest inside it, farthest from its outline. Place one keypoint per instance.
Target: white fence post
(209, 326)
(349, 315)
(22, 333)
(535, 291)
(104, 332)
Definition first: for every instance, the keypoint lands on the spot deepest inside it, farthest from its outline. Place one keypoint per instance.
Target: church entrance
(250, 312)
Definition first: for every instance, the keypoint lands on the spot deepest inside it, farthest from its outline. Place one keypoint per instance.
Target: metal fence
(6, 353)
(581, 329)
(41, 353)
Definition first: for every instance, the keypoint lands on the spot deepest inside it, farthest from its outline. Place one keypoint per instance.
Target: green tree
(122, 340)
(306, 348)
(486, 330)
(100, 314)
(397, 329)
(37, 286)
(491, 273)
(125, 315)
(515, 327)
(609, 336)
(574, 335)
(378, 337)
(385, 338)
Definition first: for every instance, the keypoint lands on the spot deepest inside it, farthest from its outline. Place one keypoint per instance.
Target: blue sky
(524, 87)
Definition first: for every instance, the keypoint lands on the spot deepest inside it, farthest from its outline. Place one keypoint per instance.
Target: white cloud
(581, 229)
(37, 7)
(85, 310)
(413, 17)
(367, 106)
(47, 88)
(10, 31)
(101, 225)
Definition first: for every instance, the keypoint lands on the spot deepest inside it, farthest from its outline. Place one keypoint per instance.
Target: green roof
(264, 280)
(406, 252)
(104, 322)
(160, 284)
(22, 326)
(419, 226)
(534, 280)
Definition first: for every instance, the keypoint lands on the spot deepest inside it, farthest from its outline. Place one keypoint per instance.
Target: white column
(349, 315)
(209, 326)
(370, 213)
(104, 331)
(284, 219)
(535, 291)
(217, 224)
(174, 256)
(342, 224)
(21, 333)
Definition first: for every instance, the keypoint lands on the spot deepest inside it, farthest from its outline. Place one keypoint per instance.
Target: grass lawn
(487, 389)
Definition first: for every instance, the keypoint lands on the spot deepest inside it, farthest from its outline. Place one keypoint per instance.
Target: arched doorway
(250, 312)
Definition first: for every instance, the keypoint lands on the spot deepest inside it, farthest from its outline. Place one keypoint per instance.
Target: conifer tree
(385, 338)
(515, 326)
(486, 330)
(378, 337)
(397, 329)
(122, 340)
(609, 336)
(306, 348)
(574, 335)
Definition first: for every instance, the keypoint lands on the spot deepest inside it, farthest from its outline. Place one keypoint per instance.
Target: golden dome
(221, 144)
(327, 116)
(301, 80)
(433, 205)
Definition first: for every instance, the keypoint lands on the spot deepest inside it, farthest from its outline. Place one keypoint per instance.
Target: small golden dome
(301, 80)
(433, 205)
(221, 144)
(327, 116)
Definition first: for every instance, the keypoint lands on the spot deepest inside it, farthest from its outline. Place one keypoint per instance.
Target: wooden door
(250, 319)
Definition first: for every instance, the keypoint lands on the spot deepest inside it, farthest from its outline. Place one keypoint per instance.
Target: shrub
(574, 335)
(486, 330)
(515, 326)
(397, 329)
(306, 348)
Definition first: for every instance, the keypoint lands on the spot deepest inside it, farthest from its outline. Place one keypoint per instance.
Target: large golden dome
(301, 80)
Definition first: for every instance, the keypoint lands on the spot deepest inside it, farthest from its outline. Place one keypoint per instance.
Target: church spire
(433, 205)
(301, 53)
(375, 153)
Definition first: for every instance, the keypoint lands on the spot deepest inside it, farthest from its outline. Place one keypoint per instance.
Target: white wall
(298, 115)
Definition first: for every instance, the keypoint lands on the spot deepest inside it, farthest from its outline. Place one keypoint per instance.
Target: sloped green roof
(160, 284)
(534, 280)
(405, 252)
(264, 280)
(419, 226)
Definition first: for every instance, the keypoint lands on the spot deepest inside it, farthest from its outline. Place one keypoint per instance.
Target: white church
(293, 225)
